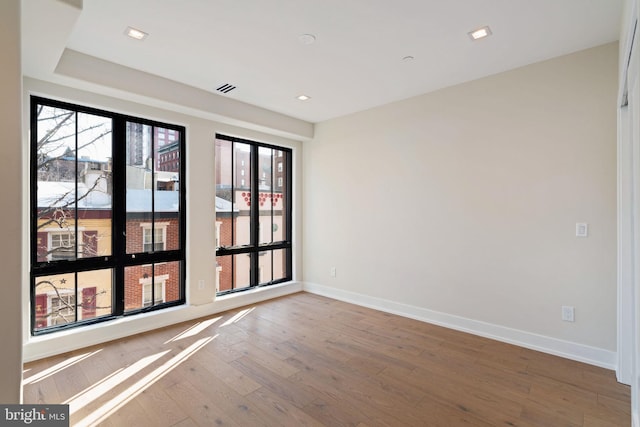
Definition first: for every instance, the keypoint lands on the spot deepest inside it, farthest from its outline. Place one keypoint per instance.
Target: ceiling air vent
(226, 88)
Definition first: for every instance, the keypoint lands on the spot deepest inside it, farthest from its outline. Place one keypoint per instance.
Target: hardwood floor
(308, 360)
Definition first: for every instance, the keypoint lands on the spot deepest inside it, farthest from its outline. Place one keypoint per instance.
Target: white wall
(200, 188)
(11, 213)
(460, 205)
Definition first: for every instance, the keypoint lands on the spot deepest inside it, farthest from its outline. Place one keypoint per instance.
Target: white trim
(157, 224)
(147, 280)
(628, 269)
(218, 235)
(627, 144)
(60, 229)
(570, 350)
(625, 306)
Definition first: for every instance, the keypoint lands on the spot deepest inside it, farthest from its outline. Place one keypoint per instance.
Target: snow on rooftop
(223, 205)
(61, 194)
(140, 200)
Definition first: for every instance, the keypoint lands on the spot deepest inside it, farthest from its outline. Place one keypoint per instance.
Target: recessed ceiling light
(307, 38)
(408, 58)
(135, 34)
(480, 33)
(303, 98)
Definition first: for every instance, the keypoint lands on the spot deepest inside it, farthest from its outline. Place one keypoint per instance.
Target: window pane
(224, 193)
(266, 199)
(233, 272)
(281, 202)
(167, 185)
(167, 276)
(264, 267)
(272, 266)
(95, 185)
(149, 285)
(55, 300)
(139, 176)
(280, 264)
(233, 192)
(95, 291)
(56, 187)
(242, 194)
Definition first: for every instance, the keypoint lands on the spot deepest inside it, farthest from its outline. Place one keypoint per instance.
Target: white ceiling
(356, 62)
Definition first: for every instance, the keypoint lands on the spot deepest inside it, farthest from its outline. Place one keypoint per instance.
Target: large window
(253, 214)
(108, 230)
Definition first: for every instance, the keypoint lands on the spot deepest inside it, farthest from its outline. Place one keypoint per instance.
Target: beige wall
(11, 213)
(464, 201)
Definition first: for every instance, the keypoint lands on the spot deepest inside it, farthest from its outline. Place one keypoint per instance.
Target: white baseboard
(73, 339)
(569, 350)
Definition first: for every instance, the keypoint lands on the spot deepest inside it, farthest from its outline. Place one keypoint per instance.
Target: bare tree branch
(58, 311)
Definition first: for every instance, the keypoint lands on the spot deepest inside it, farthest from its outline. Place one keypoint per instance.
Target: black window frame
(119, 258)
(254, 248)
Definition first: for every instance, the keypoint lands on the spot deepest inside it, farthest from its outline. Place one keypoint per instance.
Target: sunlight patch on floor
(94, 392)
(110, 407)
(238, 316)
(58, 367)
(194, 330)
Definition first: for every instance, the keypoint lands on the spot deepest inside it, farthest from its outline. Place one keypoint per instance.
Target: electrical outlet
(568, 313)
(582, 229)
(200, 284)
(333, 272)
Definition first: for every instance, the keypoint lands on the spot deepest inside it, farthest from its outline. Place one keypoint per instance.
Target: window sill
(72, 339)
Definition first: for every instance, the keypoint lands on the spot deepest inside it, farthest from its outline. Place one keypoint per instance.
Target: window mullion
(254, 215)
(75, 180)
(118, 208)
(153, 192)
(233, 193)
(153, 285)
(287, 192)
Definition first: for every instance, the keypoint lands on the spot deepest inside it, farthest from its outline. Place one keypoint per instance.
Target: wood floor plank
(187, 422)
(232, 377)
(278, 412)
(200, 407)
(159, 407)
(305, 359)
(295, 393)
(267, 360)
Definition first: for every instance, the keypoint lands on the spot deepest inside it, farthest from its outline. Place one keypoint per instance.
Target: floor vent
(226, 88)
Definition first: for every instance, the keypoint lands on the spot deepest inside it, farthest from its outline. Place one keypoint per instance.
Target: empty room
(284, 213)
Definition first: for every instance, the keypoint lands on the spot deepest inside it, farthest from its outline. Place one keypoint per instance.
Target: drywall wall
(11, 214)
(464, 202)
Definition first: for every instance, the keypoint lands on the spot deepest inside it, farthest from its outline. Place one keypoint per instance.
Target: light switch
(582, 229)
